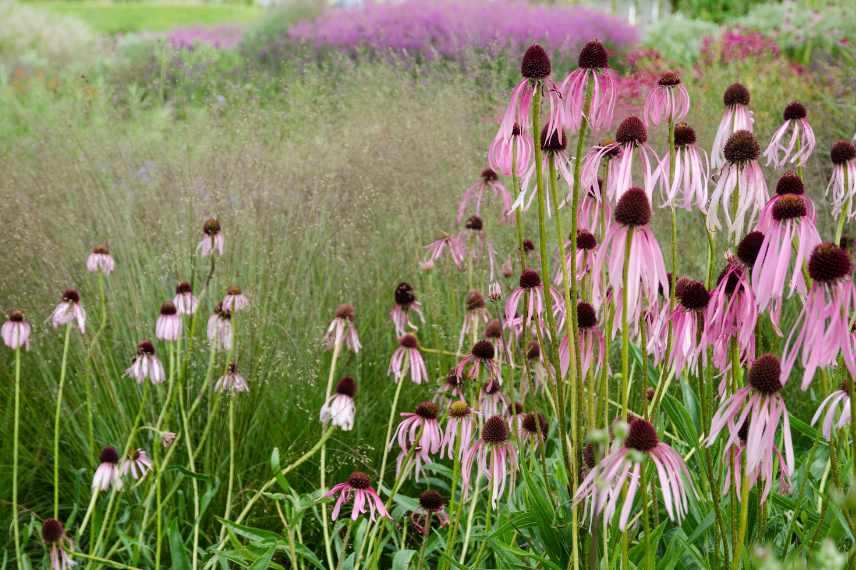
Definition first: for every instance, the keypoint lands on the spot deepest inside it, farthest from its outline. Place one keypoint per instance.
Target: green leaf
(401, 560)
(263, 537)
(177, 552)
(264, 562)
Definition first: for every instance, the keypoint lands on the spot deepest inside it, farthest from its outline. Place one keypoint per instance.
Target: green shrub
(31, 36)
(678, 38)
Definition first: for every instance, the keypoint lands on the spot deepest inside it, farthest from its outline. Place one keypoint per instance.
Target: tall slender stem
(57, 415)
(646, 522)
(337, 347)
(389, 423)
(744, 516)
(455, 507)
(15, 437)
(470, 517)
(625, 328)
(231, 482)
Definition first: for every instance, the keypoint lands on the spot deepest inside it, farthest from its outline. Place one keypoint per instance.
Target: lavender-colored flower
(455, 244)
(365, 497)
(631, 138)
(800, 144)
(339, 409)
(220, 329)
(489, 182)
(107, 475)
(668, 101)
(168, 325)
(69, 310)
(732, 457)
(408, 360)
(496, 458)
(590, 337)
(491, 399)
(100, 260)
(137, 464)
(592, 73)
(232, 382)
(837, 404)
(511, 152)
(342, 327)
(476, 314)
(235, 300)
(16, 331)
(184, 300)
(60, 544)
(691, 172)
(146, 365)
(842, 183)
(553, 147)
(431, 505)
(419, 428)
(481, 356)
(532, 289)
(737, 117)
(461, 423)
(405, 302)
(212, 238)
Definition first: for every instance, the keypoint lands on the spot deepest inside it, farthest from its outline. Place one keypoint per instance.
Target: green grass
(124, 17)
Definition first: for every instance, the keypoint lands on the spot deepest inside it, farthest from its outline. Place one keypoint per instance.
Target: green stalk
(15, 437)
(389, 430)
(646, 522)
(455, 507)
(470, 517)
(625, 329)
(337, 347)
(231, 482)
(852, 394)
(744, 517)
(62, 373)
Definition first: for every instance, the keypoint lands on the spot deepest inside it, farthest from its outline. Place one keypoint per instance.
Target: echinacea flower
(624, 464)
(212, 238)
(408, 360)
(540, 368)
(741, 190)
(496, 458)
(340, 409)
(585, 255)
(593, 74)
(491, 399)
(220, 329)
(842, 183)
(460, 425)
(405, 302)
(476, 314)
(69, 310)
(760, 403)
(481, 355)
(732, 458)
(365, 497)
(489, 182)
(835, 410)
(531, 290)
(184, 300)
(168, 325)
(737, 117)
(168, 438)
(493, 333)
(589, 337)
(100, 260)
(610, 151)
(511, 152)
(137, 464)
(687, 319)
(16, 331)
(232, 382)
(60, 544)
(534, 428)
(631, 138)
(553, 150)
(691, 172)
(454, 243)
(107, 475)
(431, 505)
(235, 300)
(800, 144)
(788, 225)
(419, 428)
(146, 365)
(824, 322)
(342, 327)
(668, 101)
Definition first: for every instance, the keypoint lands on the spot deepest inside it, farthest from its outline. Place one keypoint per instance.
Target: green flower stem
(744, 516)
(455, 507)
(646, 521)
(103, 561)
(62, 373)
(470, 517)
(625, 329)
(231, 483)
(15, 438)
(337, 347)
(389, 423)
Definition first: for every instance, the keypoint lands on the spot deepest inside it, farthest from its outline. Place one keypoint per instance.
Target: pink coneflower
(100, 260)
(475, 315)
(212, 239)
(842, 184)
(232, 382)
(687, 323)
(168, 325)
(592, 70)
(16, 331)
(538, 365)
(481, 355)
(342, 327)
(365, 497)
(405, 302)
(801, 143)
(220, 329)
(646, 272)
(553, 147)
(515, 412)
(788, 223)
(146, 365)
(168, 438)
(451, 389)
(668, 101)
(761, 404)
(491, 399)
(107, 475)
(631, 138)
(184, 300)
(824, 327)
(534, 428)
(605, 481)
(68, 310)
(590, 337)
(235, 300)
(691, 172)
(455, 244)
(489, 183)
(611, 151)
(60, 544)
(589, 209)
(493, 333)
(737, 117)
(422, 429)
(742, 175)
(585, 255)
(340, 408)
(407, 359)
(460, 417)
(836, 404)
(509, 145)
(137, 464)
(496, 457)
(532, 289)
(732, 458)
(431, 505)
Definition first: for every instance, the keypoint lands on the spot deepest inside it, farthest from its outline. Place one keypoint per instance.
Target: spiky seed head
(554, 142)
(168, 309)
(694, 296)
(345, 311)
(593, 56)
(829, 263)
(408, 341)
(146, 347)
(530, 279)
(528, 245)
(586, 316)
(431, 500)
(842, 152)
(633, 208)
(669, 79)
(474, 223)
(404, 295)
(489, 175)
(789, 207)
(749, 246)
(474, 301)
(483, 350)
(536, 424)
(794, 111)
(765, 374)
(211, 227)
(736, 94)
(52, 531)
(495, 430)
(359, 480)
(534, 351)
(741, 147)
(71, 296)
(535, 63)
(347, 386)
(631, 131)
(684, 135)
(459, 409)
(493, 329)
(16, 316)
(790, 183)
(109, 455)
(586, 240)
(183, 287)
(642, 436)
(427, 410)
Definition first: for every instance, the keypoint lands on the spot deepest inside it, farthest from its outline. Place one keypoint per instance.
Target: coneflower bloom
(646, 271)
(589, 209)
(824, 322)
(630, 136)
(669, 100)
(691, 172)
(493, 333)
(462, 418)
(496, 458)
(137, 464)
(475, 315)
(534, 428)
(451, 389)
(687, 325)
(481, 355)
(107, 475)
(232, 382)
(340, 408)
(16, 331)
(454, 243)
(168, 438)
(540, 368)
(235, 300)
(168, 325)
(592, 70)
(408, 360)
(212, 238)
(342, 327)
(732, 458)
(366, 498)
(605, 481)
(585, 255)
(419, 428)
(220, 328)
(532, 289)
(611, 151)
(515, 412)
(100, 260)
(553, 147)
(742, 175)
(68, 310)
(737, 117)
(431, 505)
(590, 338)
(405, 301)
(788, 224)
(799, 146)
(489, 183)
(184, 300)
(761, 404)
(146, 365)
(509, 145)
(835, 410)
(54, 536)
(842, 184)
